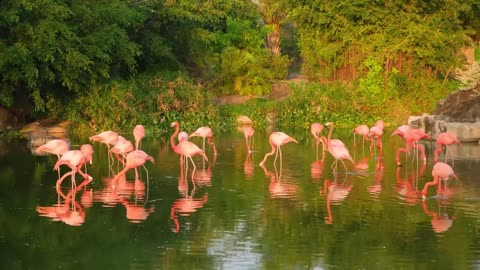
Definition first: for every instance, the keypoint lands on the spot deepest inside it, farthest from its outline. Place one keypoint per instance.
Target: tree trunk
(273, 39)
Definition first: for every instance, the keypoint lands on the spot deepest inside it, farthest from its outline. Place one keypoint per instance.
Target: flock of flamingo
(132, 157)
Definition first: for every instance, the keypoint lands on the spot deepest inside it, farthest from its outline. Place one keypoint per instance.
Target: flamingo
(411, 136)
(440, 171)
(316, 129)
(444, 139)
(87, 151)
(138, 134)
(182, 136)
(73, 159)
(248, 132)
(361, 130)
(376, 132)
(55, 147)
(205, 132)
(188, 150)
(106, 137)
(277, 139)
(122, 147)
(135, 159)
(337, 148)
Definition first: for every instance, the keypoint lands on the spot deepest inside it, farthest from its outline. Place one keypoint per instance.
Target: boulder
(462, 106)
(457, 114)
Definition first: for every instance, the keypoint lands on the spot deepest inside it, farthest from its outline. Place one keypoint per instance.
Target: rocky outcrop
(457, 114)
(40, 132)
(462, 106)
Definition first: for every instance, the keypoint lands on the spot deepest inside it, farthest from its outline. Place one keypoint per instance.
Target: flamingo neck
(269, 154)
(172, 142)
(434, 182)
(329, 135)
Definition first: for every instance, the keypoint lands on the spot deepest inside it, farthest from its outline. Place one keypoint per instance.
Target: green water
(240, 215)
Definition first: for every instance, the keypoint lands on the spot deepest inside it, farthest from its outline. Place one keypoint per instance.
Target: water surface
(236, 214)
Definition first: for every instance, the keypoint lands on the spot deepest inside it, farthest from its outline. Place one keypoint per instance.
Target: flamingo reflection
(336, 193)
(185, 207)
(316, 168)
(441, 221)
(277, 187)
(376, 187)
(136, 204)
(248, 166)
(407, 187)
(69, 211)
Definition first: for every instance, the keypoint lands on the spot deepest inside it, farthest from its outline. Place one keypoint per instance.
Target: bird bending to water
(55, 147)
(277, 139)
(138, 134)
(135, 159)
(441, 171)
(73, 159)
(248, 132)
(412, 136)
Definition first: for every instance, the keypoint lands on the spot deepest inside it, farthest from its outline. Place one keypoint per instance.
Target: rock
(462, 105)
(457, 114)
(46, 128)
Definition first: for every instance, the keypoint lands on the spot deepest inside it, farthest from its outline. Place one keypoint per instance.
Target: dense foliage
(87, 56)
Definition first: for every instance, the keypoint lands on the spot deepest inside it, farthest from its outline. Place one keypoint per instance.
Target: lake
(231, 213)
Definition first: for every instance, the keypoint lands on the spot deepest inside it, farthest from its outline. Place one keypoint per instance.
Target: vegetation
(112, 64)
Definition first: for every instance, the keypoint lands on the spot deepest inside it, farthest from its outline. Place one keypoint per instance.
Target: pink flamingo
(440, 171)
(376, 133)
(205, 132)
(316, 129)
(188, 150)
(135, 159)
(138, 134)
(277, 139)
(87, 151)
(337, 148)
(73, 159)
(55, 147)
(122, 147)
(182, 136)
(361, 130)
(248, 132)
(444, 139)
(411, 136)
(106, 137)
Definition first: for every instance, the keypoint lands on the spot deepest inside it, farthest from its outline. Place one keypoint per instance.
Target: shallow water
(239, 215)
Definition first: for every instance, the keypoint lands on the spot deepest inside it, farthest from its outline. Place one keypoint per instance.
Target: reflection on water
(297, 214)
(67, 209)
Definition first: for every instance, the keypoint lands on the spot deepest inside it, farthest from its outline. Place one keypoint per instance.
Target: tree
(49, 47)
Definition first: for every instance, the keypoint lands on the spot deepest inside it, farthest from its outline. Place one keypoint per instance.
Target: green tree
(50, 47)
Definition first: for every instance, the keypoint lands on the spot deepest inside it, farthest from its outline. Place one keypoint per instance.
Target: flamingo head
(329, 124)
(174, 124)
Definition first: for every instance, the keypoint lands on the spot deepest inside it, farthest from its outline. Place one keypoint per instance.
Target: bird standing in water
(277, 139)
